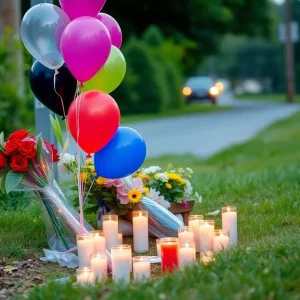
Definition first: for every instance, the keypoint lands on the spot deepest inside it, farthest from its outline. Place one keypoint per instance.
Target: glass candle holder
(140, 231)
(85, 276)
(229, 222)
(120, 256)
(206, 235)
(141, 268)
(169, 254)
(110, 229)
(158, 248)
(120, 236)
(194, 223)
(185, 235)
(130, 255)
(221, 239)
(206, 257)
(99, 241)
(99, 265)
(85, 246)
(187, 254)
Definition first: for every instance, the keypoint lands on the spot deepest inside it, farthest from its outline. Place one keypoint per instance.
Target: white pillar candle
(85, 276)
(85, 246)
(140, 231)
(120, 237)
(194, 223)
(185, 235)
(110, 229)
(158, 248)
(99, 265)
(187, 254)
(229, 222)
(99, 241)
(141, 268)
(206, 235)
(221, 240)
(120, 266)
(130, 255)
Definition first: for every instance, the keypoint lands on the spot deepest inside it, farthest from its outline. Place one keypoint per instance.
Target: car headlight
(213, 91)
(187, 91)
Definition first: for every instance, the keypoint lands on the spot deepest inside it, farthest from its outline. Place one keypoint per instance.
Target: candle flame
(228, 209)
(140, 214)
(186, 245)
(141, 259)
(206, 223)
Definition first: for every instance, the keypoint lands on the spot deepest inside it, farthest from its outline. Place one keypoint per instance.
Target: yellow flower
(143, 176)
(169, 186)
(147, 190)
(155, 176)
(134, 196)
(175, 177)
(88, 162)
(83, 177)
(92, 169)
(101, 180)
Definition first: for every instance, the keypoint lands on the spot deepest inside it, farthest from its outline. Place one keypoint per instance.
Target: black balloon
(41, 81)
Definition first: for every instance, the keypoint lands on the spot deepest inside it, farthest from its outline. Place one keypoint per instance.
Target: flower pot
(184, 210)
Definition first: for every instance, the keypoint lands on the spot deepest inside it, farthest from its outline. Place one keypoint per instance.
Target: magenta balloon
(81, 8)
(113, 28)
(85, 46)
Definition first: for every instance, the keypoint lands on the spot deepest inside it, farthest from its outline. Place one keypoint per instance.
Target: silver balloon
(41, 30)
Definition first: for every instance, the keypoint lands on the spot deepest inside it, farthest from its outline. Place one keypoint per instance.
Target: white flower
(151, 170)
(190, 170)
(155, 196)
(66, 159)
(162, 177)
(188, 189)
(198, 197)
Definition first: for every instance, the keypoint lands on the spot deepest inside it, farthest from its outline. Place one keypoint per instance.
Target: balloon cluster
(78, 63)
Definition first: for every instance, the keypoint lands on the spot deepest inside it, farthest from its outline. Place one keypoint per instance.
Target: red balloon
(98, 117)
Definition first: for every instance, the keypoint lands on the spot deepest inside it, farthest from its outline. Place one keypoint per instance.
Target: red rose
(27, 148)
(11, 147)
(18, 134)
(3, 160)
(19, 163)
(50, 147)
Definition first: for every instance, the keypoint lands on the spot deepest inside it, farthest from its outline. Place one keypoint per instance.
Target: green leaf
(39, 149)
(91, 209)
(2, 139)
(2, 187)
(57, 130)
(107, 194)
(13, 179)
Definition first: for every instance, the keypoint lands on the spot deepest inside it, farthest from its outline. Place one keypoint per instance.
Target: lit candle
(85, 248)
(141, 268)
(158, 248)
(185, 235)
(140, 231)
(99, 241)
(130, 255)
(120, 236)
(169, 254)
(99, 265)
(187, 254)
(110, 229)
(229, 222)
(221, 240)
(120, 266)
(194, 223)
(206, 257)
(85, 276)
(206, 235)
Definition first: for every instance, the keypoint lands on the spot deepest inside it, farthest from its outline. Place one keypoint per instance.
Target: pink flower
(137, 184)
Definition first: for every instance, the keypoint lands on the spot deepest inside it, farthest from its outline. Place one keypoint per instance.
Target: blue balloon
(122, 156)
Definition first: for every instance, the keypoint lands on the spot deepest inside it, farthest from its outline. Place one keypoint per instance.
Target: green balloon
(110, 75)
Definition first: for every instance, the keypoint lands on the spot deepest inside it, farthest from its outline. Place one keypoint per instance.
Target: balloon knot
(56, 72)
(88, 156)
(81, 85)
(63, 118)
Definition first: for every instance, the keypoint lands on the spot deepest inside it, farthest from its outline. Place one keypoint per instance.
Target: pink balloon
(85, 46)
(113, 28)
(81, 8)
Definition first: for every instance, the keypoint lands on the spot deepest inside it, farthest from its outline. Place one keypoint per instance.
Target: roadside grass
(266, 97)
(261, 177)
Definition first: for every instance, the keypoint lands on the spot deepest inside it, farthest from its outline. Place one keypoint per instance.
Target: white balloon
(41, 30)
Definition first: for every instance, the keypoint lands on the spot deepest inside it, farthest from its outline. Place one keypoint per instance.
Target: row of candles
(199, 236)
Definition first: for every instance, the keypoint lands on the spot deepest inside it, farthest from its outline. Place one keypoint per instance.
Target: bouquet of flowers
(26, 164)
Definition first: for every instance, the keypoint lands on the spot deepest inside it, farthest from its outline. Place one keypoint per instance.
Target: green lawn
(194, 108)
(260, 177)
(266, 97)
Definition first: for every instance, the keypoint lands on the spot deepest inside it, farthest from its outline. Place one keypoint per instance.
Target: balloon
(113, 28)
(98, 119)
(41, 31)
(41, 81)
(81, 8)
(85, 46)
(111, 75)
(122, 156)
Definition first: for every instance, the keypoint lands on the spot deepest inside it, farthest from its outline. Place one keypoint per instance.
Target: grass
(195, 108)
(260, 177)
(266, 97)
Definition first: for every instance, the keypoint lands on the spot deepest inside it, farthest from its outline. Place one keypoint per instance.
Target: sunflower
(175, 177)
(100, 180)
(147, 190)
(168, 186)
(134, 196)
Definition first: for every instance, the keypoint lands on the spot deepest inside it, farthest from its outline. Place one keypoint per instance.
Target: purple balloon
(85, 46)
(81, 8)
(113, 28)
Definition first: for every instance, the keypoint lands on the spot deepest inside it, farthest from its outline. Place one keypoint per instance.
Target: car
(200, 88)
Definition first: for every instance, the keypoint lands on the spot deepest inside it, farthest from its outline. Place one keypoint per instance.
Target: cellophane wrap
(63, 222)
(162, 223)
